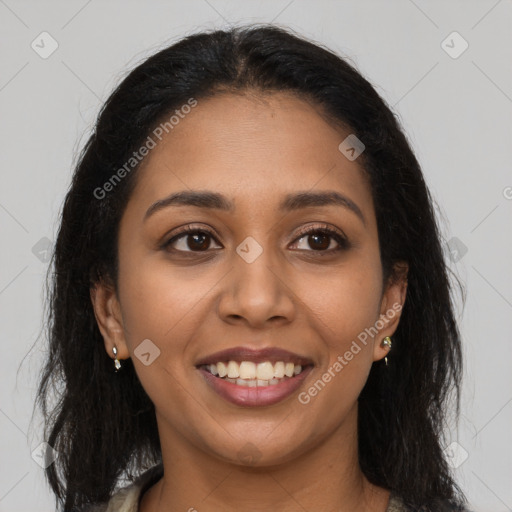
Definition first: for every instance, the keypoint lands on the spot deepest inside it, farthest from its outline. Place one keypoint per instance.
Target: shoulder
(127, 498)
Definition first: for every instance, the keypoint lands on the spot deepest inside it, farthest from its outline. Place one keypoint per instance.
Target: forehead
(254, 149)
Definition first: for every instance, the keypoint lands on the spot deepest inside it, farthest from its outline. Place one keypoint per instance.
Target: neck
(325, 478)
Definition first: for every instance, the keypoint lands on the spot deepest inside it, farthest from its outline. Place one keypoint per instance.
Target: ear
(110, 321)
(392, 303)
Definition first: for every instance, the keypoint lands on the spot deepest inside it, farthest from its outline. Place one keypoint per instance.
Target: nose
(256, 293)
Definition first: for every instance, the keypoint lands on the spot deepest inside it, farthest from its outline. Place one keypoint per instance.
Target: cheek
(161, 306)
(345, 308)
(158, 302)
(345, 329)
(345, 302)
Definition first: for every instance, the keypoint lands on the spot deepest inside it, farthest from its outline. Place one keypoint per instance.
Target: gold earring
(117, 364)
(386, 342)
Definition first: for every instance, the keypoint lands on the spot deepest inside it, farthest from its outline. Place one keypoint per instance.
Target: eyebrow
(291, 202)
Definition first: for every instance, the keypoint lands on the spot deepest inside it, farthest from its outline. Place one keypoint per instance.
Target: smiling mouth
(250, 374)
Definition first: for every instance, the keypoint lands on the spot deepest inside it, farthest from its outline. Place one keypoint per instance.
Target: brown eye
(200, 241)
(322, 240)
(190, 240)
(319, 241)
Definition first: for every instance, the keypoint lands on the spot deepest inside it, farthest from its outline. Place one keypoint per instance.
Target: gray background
(456, 112)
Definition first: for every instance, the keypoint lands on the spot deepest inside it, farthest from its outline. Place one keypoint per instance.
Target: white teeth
(247, 370)
(265, 371)
(250, 374)
(233, 370)
(279, 370)
(222, 369)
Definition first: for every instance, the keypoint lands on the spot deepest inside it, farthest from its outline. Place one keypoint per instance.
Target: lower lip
(255, 396)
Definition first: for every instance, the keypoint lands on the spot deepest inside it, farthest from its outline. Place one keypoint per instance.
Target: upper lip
(272, 354)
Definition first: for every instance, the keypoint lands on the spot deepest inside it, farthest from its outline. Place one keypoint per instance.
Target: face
(264, 265)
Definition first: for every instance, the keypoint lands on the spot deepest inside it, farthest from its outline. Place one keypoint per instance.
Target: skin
(253, 149)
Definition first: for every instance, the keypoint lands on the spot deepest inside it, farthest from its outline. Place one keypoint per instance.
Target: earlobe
(392, 303)
(109, 319)
(386, 342)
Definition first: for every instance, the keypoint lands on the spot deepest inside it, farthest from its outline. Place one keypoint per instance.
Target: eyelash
(343, 243)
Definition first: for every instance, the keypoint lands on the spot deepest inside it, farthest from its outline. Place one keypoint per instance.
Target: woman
(250, 307)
